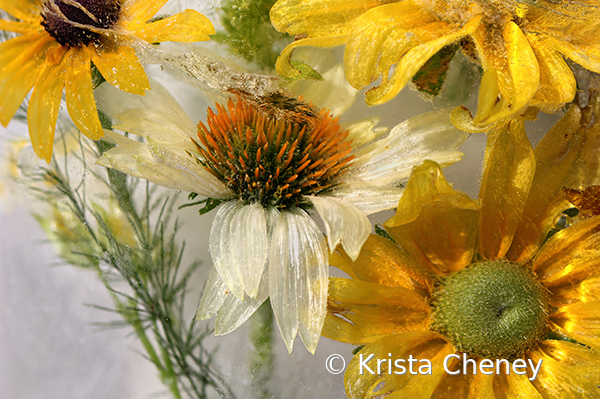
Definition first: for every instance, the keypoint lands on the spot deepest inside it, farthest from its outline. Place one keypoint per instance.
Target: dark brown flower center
(69, 21)
(273, 150)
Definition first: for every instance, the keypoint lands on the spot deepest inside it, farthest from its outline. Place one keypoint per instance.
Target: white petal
(364, 131)
(215, 292)
(156, 114)
(298, 272)
(390, 160)
(249, 246)
(239, 246)
(123, 156)
(333, 92)
(234, 312)
(344, 223)
(185, 172)
(369, 199)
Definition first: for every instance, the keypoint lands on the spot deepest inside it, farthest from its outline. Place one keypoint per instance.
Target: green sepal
(306, 72)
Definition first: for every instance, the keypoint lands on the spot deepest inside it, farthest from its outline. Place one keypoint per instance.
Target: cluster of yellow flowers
(511, 276)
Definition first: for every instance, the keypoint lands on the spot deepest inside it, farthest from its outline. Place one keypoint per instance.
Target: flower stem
(261, 353)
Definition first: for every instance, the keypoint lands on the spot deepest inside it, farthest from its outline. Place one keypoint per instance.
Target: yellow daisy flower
(472, 281)
(57, 43)
(519, 44)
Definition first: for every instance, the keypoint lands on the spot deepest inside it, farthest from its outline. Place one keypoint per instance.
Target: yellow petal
(579, 281)
(187, 26)
(580, 359)
(359, 312)
(514, 386)
(80, 95)
(20, 61)
(44, 105)
(452, 386)
(517, 74)
(381, 37)
(462, 119)
(557, 155)
(381, 261)
(283, 66)
(413, 60)
(557, 83)
(19, 26)
(434, 223)
(588, 56)
(425, 345)
(140, 11)
(508, 173)
(567, 244)
(25, 10)
(558, 377)
(325, 18)
(121, 68)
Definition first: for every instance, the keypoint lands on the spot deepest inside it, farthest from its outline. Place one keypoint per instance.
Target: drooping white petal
(156, 114)
(369, 199)
(250, 246)
(390, 160)
(213, 296)
(344, 223)
(234, 312)
(298, 272)
(123, 156)
(239, 246)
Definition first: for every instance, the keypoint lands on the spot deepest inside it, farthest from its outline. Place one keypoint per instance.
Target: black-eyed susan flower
(474, 283)
(520, 44)
(58, 42)
(269, 160)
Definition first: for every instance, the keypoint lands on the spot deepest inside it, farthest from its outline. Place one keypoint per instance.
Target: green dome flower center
(492, 309)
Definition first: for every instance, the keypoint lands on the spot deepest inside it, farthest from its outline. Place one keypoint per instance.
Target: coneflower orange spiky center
(273, 155)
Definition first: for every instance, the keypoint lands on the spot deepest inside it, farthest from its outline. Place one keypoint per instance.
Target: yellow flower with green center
(481, 280)
(519, 44)
(57, 43)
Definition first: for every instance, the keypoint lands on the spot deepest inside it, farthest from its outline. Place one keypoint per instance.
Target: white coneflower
(270, 160)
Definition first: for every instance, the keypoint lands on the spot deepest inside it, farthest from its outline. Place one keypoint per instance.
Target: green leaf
(306, 72)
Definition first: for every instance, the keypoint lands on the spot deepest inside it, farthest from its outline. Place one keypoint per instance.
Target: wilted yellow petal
(588, 56)
(557, 83)
(20, 61)
(514, 71)
(509, 169)
(556, 156)
(462, 119)
(44, 105)
(283, 66)
(121, 68)
(413, 60)
(80, 95)
(381, 37)
(421, 345)
(359, 312)
(187, 26)
(436, 224)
